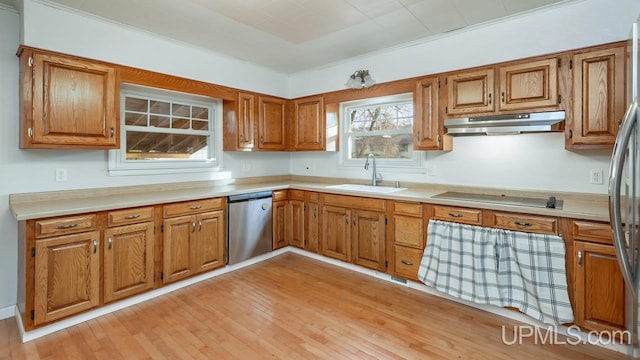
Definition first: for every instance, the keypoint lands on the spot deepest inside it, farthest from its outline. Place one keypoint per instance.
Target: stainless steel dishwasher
(250, 231)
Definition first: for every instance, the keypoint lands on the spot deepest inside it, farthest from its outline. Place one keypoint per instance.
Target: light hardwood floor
(290, 307)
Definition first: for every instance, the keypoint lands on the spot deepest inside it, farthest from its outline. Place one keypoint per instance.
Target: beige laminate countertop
(56, 203)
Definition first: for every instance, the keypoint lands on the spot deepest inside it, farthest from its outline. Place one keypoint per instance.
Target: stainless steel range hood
(504, 124)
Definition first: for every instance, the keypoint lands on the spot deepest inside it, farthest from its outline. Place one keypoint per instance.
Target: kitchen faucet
(375, 177)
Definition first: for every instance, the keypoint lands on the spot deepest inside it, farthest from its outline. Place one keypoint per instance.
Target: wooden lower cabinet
(368, 239)
(408, 238)
(193, 244)
(128, 260)
(280, 223)
(312, 231)
(296, 223)
(67, 276)
(354, 233)
(336, 233)
(599, 288)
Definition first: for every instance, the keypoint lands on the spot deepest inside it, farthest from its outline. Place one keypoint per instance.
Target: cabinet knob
(95, 246)
(109, 242)
(346, 219)
(261, 140)
(113, 132)
(489, 98)
(503, 97)
(418, 135)
(193, 227)
(200, 225)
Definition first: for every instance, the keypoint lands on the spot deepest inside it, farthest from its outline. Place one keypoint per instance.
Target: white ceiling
(294, 35)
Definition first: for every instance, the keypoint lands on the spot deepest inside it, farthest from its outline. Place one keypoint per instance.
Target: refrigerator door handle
(615, 184)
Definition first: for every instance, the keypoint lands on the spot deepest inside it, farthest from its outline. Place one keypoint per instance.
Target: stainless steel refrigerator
(624, 192)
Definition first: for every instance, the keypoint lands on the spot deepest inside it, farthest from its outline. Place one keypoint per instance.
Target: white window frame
(119, 165)
(417, 164)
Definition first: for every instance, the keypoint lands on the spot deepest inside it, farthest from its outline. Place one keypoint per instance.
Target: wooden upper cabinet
(470, 92)
(246, 120)
(67, 102)
(598, 98)
(272, 123)
(427, 129)
(308, 124)
(530, 84)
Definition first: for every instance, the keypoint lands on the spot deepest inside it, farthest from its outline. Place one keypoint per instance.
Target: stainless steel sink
(551, 202)
(366, 188)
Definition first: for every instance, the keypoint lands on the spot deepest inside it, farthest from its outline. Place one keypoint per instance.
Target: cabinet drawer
(526, 223)
(296, 195)
(279, 195)
(313, 196)
(592, 231)
(353, 202)
(192, 207)
(456, 214)
(407, 208)
(406, 261)
(130, 216)
(65, 225)
(408, 231)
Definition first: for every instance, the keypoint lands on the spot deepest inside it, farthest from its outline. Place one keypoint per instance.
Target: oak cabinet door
(529, 85)
(73, 103)
(312, 230)
(272, 123)
(296, 208)
(309, 124)
(128, 260)
(368, 239)
(470, 92)
(599, 288)
(178, 248)
(210, 241)
(427, 129)
(280, 223)
(246, 120)
(67, 276)
(336, 232)
(598, 97)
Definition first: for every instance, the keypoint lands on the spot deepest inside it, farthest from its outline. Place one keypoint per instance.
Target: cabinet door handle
(67, 226)
(193, 227)
(134, 216)
(261, 140)
(346, 219)
(489, 98)
(503, 97)
(241, 138)
(196, 207)
(95, 246)
(113, 132)
(455, 215)
(408, 263)
(109, 242)
(315, 213)
(418, 135)
(570, 134)
(579, 258)
(354, 221)
(520, 223)
(200, 225)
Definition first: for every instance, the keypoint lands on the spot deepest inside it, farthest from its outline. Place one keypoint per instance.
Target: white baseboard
(7, 312)
(510, 314)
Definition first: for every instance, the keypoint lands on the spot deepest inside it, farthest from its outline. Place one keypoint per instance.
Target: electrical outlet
(597, 177)
(246, 166)
(308, 168)
(61, 174)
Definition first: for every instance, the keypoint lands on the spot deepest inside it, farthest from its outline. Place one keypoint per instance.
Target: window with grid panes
(166, 130)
